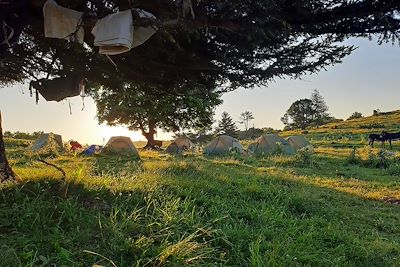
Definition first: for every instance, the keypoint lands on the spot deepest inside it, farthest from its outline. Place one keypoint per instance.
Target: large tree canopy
(148, 109)
(235, 42)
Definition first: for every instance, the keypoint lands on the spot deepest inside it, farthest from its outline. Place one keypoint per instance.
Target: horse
(390, 137)
(375, 137)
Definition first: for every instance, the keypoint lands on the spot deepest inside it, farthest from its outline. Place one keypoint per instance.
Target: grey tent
(269, 144)
(298, 142)
(47, 140)
(223, 144)
(121, 145)
(179, 145)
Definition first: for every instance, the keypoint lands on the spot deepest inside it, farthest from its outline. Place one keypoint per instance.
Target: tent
(179, 145)
(298, 142)
(47, 140)
(270, 143)
(223, 144)
(120, 145)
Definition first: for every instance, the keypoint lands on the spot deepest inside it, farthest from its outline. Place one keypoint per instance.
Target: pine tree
(226, 125)
(320, 108)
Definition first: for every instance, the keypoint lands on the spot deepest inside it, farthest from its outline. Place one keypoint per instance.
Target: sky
(368, 79)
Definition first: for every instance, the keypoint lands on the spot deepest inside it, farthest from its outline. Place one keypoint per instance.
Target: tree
(307, 112)
(150, 109)
(6, 173)
(300, 114)
(230, 44)
(320, 108)
(355, 115)
(376, 112)
(226, 125)
(245, 118)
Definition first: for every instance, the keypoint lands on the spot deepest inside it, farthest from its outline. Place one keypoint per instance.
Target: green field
(333, 207)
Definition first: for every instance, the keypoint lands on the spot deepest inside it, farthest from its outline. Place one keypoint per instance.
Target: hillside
(351, 132)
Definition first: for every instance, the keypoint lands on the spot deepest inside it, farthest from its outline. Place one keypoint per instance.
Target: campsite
(322, 208)
(199, 133)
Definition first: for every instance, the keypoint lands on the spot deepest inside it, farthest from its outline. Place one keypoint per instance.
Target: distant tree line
(22, 135)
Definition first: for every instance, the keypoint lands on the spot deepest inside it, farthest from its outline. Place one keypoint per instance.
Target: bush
(278, 150)
(353, 158)
(383, 160)
(305, 157)
(393, 169)
(355, 115)
(372, 126)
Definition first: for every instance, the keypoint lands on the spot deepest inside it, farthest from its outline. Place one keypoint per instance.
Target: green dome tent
(179, 145)
(269, 144)
(298, 142)
(120, 145)
(223, 144)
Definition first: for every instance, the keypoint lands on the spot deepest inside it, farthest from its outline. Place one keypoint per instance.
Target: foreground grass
(163, 210)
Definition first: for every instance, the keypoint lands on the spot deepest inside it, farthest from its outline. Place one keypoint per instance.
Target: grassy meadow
(337, 206)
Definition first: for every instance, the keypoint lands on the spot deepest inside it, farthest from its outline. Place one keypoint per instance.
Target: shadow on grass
(38, 226)
(205, 212)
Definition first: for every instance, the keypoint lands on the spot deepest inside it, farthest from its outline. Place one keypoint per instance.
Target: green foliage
(253, 50)
(320, 109)
(394, 169)
(353, 158)
(148, 108)
(355, 115)
(299, 115)
(278, 149)
(245, 118)
(226, 125)
(376, 112)
(305, 157)
(372, 126)
(304, 113)
(383, 160)
(21, 135)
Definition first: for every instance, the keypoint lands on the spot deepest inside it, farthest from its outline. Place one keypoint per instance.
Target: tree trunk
(151, 143)
(6, 173)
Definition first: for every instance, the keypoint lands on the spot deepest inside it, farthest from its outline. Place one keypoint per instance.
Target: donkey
(375, 137)
(390, 137)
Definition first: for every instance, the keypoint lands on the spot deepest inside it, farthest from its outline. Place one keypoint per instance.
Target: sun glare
(106, 132)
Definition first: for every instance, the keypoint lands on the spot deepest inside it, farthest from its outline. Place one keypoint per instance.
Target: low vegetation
(315, 208)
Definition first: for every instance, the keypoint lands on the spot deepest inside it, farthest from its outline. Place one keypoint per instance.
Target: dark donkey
(390, 137)
(375, 137)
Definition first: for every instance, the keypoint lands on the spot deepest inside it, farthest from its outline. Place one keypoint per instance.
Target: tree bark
(6, 173)
(151, 143)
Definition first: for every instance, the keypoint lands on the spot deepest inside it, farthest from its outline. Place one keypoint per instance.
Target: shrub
(393, 169)
(355, 115)
(372, 126)
(278, 150)
(353, 158)
(383, 160)
(305, 157)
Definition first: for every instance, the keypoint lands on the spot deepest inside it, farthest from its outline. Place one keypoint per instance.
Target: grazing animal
(390, 137)
(375, 137)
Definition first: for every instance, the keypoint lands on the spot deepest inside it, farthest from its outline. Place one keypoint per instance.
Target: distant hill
(389, 121)
(351, 133)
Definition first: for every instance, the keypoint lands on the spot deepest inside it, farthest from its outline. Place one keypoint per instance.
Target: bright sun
(106, 132)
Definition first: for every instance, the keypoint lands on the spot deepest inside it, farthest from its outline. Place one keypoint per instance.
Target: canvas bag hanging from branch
(58, 89)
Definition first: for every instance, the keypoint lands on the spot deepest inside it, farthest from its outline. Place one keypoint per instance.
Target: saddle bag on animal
(57, 89)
